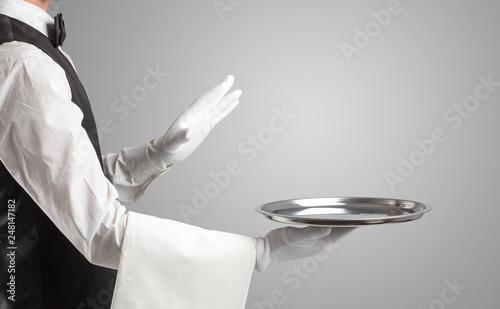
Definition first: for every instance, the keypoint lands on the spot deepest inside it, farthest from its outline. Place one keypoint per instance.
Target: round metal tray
(343, 211)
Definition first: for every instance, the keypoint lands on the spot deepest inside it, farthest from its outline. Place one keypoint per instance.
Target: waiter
(67, 241)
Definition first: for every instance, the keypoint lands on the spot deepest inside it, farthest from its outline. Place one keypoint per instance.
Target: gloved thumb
(178, 140)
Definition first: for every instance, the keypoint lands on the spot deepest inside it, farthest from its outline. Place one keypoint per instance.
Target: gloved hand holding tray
(343, 211)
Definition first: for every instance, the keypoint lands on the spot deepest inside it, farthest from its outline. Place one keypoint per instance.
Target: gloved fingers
(226, 105)
(336, 234)
(297, 236)
(210, 98)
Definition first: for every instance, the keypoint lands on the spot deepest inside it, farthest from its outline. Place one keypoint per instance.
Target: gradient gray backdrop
(353, 122)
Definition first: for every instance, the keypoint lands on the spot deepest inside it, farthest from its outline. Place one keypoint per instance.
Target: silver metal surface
(343, 211)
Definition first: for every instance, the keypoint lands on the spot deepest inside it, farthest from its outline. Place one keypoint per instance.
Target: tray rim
(290, 219)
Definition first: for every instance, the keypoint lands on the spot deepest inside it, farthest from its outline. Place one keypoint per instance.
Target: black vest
(49, 272)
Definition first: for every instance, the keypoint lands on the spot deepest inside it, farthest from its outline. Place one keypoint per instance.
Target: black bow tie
(60, 31)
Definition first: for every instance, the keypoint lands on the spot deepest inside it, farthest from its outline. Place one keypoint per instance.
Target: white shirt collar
(29, 14)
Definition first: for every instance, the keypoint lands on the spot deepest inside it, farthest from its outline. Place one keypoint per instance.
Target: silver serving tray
(343, 211)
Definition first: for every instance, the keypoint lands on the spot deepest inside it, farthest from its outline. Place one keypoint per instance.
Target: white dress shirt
(47, 151)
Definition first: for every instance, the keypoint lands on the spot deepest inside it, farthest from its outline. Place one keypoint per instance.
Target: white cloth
(47, 151)
(200, 270)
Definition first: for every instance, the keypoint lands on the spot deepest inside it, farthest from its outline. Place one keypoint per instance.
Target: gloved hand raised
(193, 125)
(290, 243)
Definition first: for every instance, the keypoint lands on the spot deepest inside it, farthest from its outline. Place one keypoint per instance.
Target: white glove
(193, 125)
(290, 243)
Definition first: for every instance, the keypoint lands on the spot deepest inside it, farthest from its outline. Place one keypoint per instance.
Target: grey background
(353, 121)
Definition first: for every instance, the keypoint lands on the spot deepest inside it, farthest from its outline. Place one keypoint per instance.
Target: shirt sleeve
(47, 151)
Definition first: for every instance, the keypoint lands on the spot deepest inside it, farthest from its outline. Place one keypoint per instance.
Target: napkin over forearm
(168, 264)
